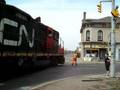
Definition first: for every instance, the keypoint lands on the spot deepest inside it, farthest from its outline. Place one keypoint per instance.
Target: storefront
(95, 51)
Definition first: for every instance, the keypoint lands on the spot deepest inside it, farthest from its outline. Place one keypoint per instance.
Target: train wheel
(54, 61)
(61, 60)
(20, 62)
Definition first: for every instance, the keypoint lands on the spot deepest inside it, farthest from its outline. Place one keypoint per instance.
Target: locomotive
(25, 41)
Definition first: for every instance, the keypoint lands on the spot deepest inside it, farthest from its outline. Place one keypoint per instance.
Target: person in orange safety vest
(74, 59)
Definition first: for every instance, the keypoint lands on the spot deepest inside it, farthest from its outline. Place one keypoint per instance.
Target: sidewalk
(90, 82)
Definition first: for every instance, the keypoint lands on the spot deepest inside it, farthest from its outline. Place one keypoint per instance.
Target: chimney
(84, 15)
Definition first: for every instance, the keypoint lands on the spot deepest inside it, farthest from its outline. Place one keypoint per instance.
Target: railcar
(25, 41)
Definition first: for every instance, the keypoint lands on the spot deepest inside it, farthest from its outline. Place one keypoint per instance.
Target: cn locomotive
(25, 41)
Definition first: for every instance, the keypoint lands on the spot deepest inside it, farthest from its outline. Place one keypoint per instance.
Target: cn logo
(22, 30)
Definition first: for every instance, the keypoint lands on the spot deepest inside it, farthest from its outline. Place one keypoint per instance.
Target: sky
(65, 16)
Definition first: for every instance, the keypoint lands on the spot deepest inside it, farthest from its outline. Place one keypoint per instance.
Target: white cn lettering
(23, 30)
(11, 23)
(1, 30)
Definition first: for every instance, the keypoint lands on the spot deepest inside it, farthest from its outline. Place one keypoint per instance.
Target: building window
(100, 35)
(87, 35)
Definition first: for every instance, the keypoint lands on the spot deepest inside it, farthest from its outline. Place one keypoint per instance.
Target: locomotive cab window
(50, 34)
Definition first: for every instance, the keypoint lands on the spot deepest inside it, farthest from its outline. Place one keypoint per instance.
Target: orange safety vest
(74, 59)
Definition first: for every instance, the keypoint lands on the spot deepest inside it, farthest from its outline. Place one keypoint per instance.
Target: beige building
(96, 36)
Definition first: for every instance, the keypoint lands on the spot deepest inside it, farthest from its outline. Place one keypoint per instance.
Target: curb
(81, 78)
(54, 81)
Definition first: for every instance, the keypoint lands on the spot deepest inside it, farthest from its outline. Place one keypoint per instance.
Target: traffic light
(115, 12)
(99, 6)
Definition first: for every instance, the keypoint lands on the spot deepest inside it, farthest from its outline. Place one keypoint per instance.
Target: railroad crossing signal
(115, 12)
(99, 6)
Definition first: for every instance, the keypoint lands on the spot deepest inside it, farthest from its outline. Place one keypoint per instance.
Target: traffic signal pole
(112, 66)
(113, 43)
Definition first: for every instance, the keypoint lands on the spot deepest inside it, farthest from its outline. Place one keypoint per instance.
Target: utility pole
(115, 14)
